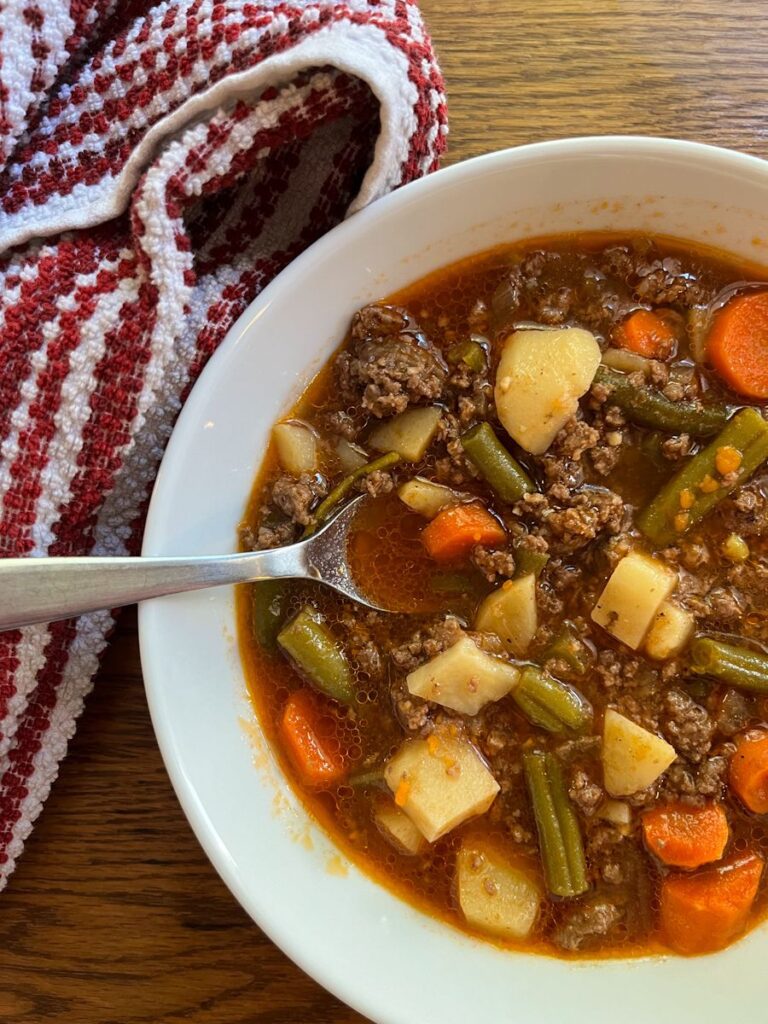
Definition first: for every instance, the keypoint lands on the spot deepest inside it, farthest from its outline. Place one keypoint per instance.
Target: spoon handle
(45, 589)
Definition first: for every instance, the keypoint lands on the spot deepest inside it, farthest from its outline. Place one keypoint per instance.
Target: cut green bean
(529, 562)
(498, 468)
(469, 352)
(648, 407)
(454, 582)
(568, 646)
(550, 703)
(345, 485)
(373, 778)
(704, 482)
(560, 842)
(267, 601)
(317, 655)
(737, 666)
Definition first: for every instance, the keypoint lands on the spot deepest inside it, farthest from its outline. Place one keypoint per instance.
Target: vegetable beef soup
(560, 741)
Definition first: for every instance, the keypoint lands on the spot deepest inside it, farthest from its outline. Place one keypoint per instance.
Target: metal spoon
(46, 589)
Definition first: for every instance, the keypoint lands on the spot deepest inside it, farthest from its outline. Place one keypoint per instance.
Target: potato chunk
(495, 896)
(409, 434)
(440, 782)
(427, 498)
(463, 678)
(633, 758)
(397, 827)
(632, 597)
(542, 375)
(510, 613)
(350, 455)
(296, 447)
(669, 633)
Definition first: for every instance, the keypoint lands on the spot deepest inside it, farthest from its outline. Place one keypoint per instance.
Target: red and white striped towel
(191, 150)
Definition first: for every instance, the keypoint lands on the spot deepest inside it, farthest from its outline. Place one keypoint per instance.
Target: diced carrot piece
(737, 345)
(647, 334)
(686, 837)
(749, 772)
(707, 910)
(301, 727)
(456, 530)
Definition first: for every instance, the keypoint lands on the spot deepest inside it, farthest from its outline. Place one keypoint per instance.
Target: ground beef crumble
(389, 364)
(687, 725)
(494, 564)
(297, 496)
(585, 793)
(585, 921)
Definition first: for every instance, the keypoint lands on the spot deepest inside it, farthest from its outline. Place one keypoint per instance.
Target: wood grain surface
(114, 916)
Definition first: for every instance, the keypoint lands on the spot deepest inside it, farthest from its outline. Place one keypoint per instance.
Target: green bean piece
(568, 646)
(314, 650)
(528, 561)
(453, 582)
(267, 601)
(344, 486)
(737, 666)
(647, 407)
(550, 703)
(497, 467)
(560, 842)
(699, 485)
(469, 352)
(374, 777)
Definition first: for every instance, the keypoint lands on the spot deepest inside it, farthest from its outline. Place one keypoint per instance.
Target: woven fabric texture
(158, 166)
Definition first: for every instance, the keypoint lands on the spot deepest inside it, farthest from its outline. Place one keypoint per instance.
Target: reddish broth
(387, 553)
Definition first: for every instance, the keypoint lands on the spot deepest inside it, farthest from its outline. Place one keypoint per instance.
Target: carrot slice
(456, 530)
(307, 741)
(749, 772)
(647, 334)
(686, 837)
(738, 344)
(705, 911)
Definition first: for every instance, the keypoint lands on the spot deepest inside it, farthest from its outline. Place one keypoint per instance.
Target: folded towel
(159, 165)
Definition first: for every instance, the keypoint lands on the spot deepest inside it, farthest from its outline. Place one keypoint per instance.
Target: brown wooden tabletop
(114, 916)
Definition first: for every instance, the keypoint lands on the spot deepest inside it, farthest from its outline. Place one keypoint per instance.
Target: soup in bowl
(551, 389)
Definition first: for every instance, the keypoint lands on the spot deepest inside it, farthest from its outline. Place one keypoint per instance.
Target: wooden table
(114, 914)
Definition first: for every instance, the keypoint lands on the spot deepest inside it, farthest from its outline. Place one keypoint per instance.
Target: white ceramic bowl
(383, 957)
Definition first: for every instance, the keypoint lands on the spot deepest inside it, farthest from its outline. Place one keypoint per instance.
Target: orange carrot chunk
(307, 742)
(707, 910)
(749, 772)
(686, 837)
(456, 530)
(647, 334)
(738, 344)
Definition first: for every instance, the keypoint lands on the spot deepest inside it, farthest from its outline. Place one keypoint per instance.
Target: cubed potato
(632, 597)
(495, 896)
(409, 434)
(542, 375)
(398, 828)
(633, 758)
(463, 678)
(296, 447)
(510, 612)
(670, 632)
(440, 782)
(349, 455)
(427, 498)
(615, 811)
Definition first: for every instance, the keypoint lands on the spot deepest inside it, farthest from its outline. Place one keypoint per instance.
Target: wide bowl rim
(267, 914)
